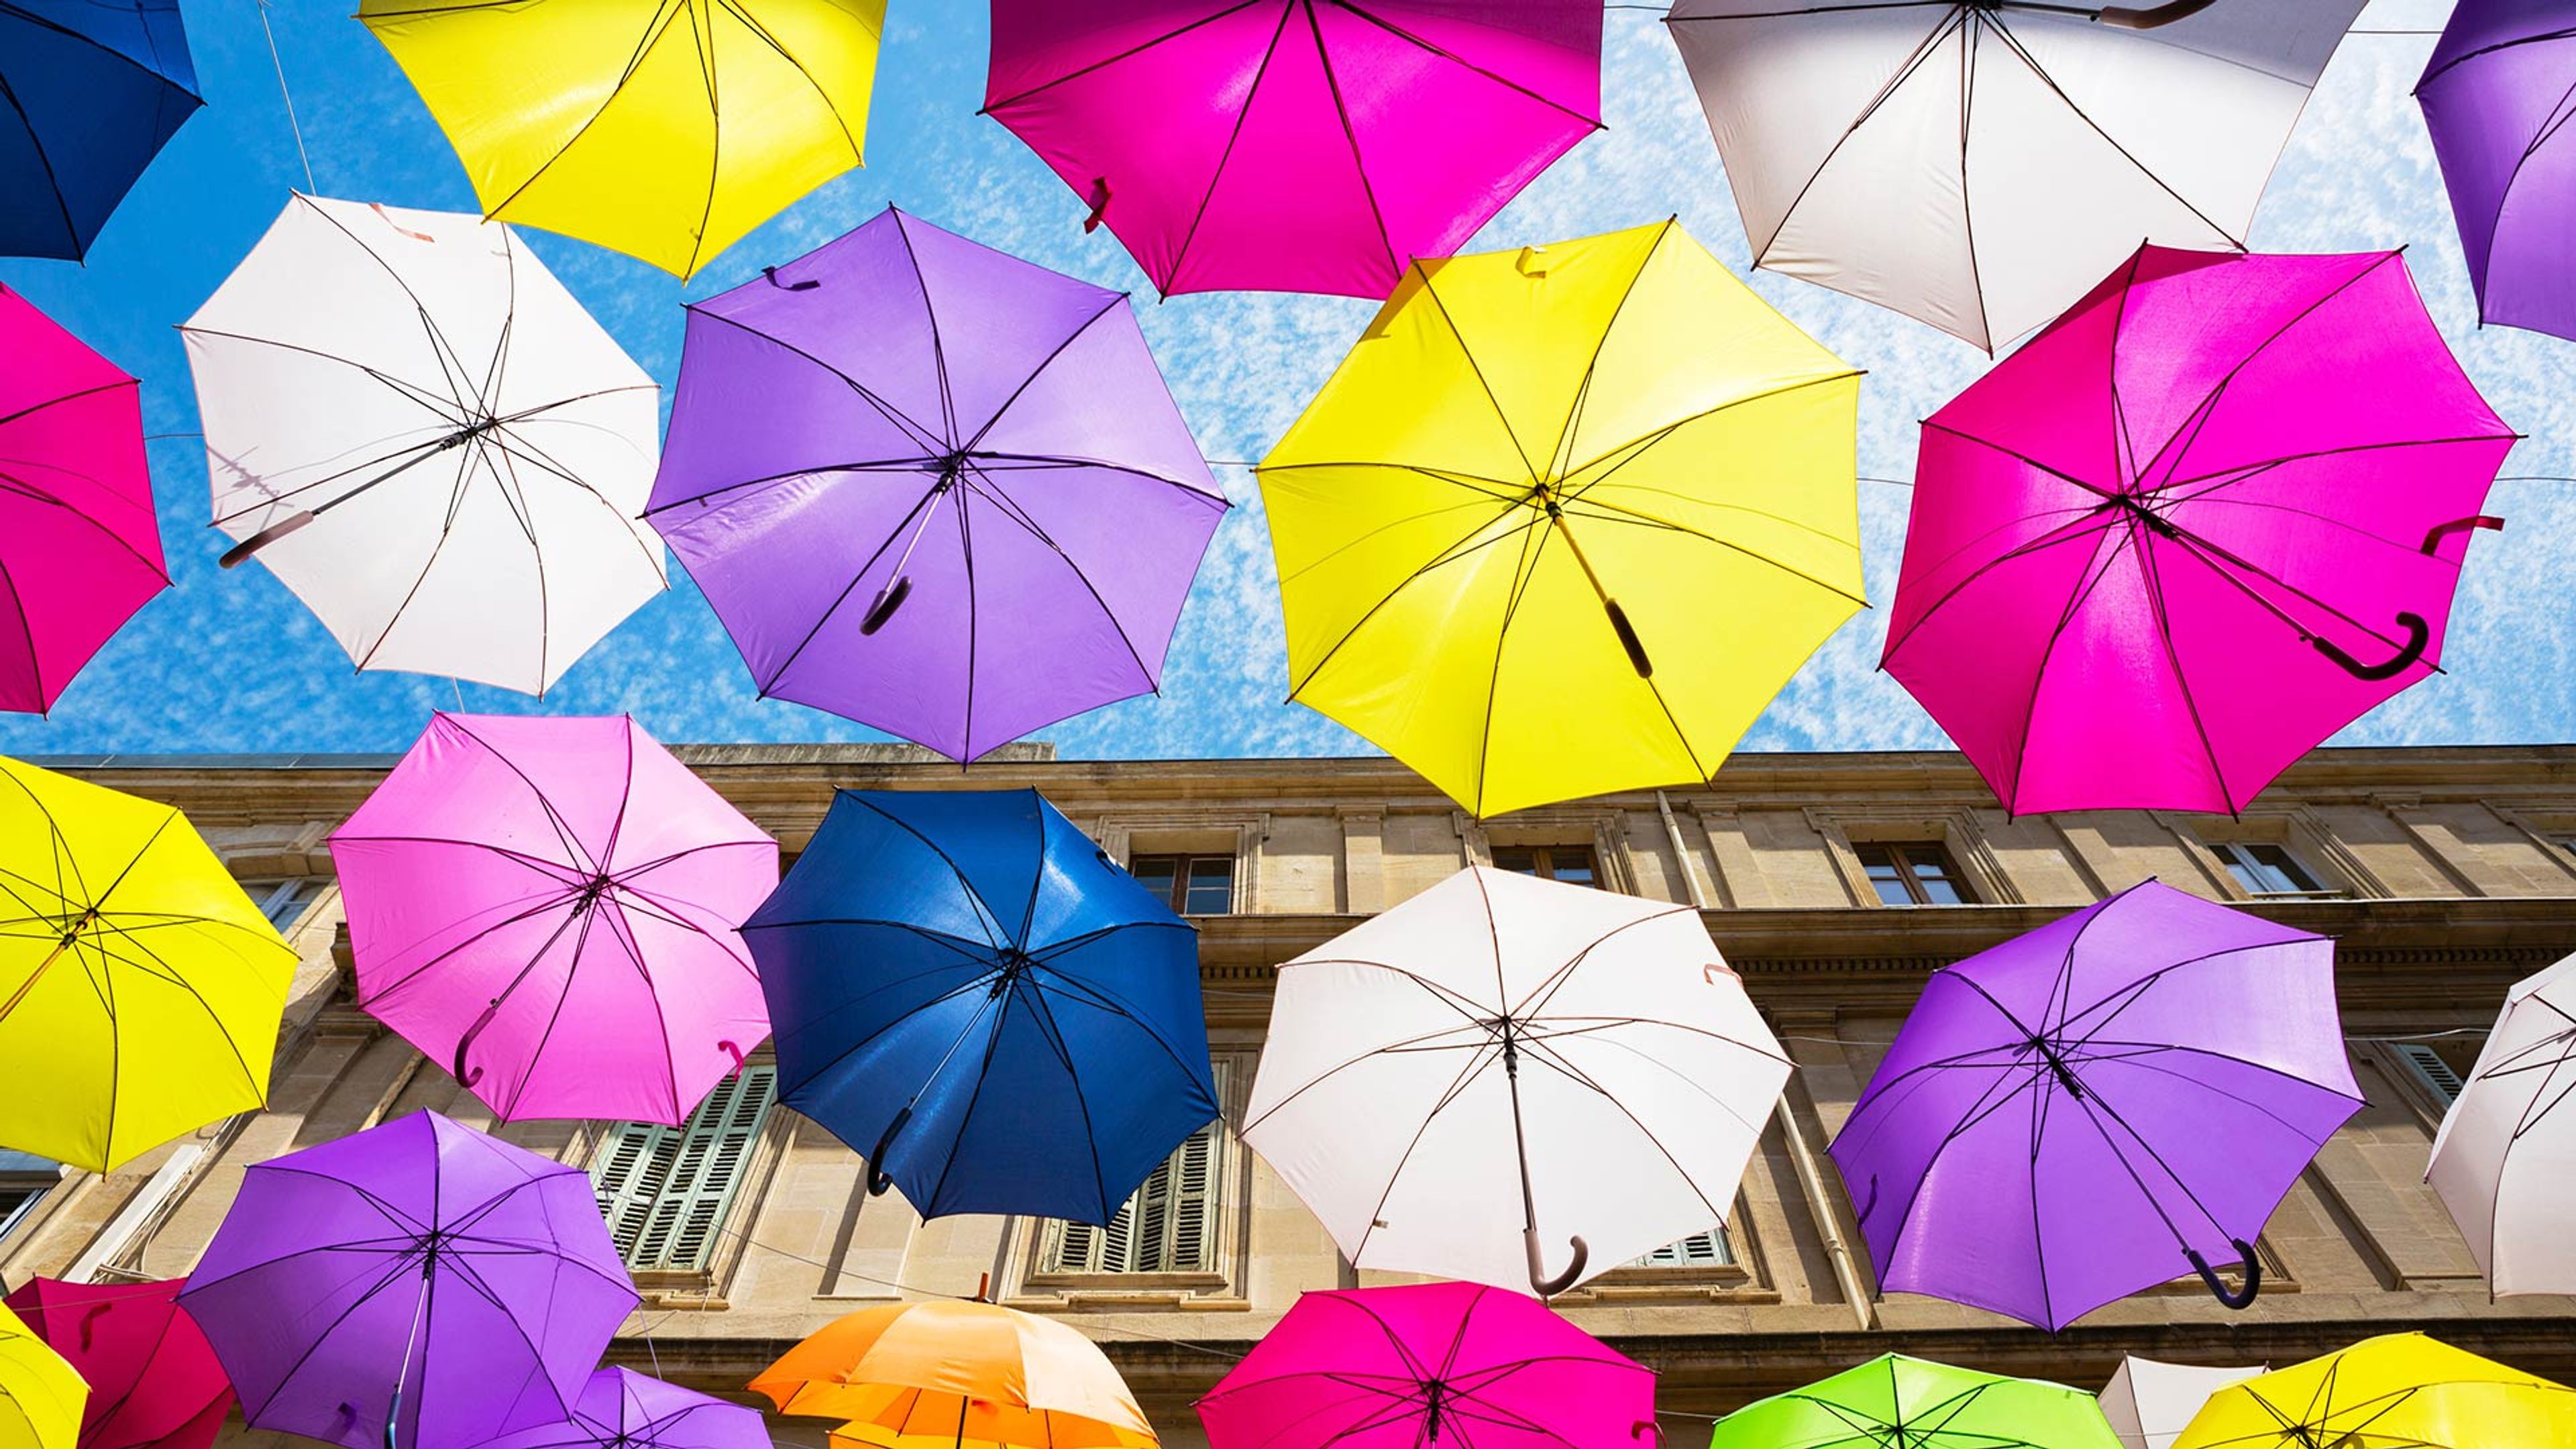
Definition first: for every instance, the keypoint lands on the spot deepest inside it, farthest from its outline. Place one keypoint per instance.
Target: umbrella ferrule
(2057, 1066)
(2136, 507)
(1431, 1392)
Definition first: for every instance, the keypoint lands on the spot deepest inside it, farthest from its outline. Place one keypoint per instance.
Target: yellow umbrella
(139, 988)
(40, 1395)
(952, 1375)
(665, 129)
(2400, 1391)
(1566, 519)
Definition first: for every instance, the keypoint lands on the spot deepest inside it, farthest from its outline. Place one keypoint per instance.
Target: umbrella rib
(1106, 1002)
(1474, 1068)
(1616, 514)
(1556, 1061)
(938, 348)
(2221, 561)
(398, 1269)
(1955, 22)
(1432, 291)
(223, 1029)
(570, 839)
(1636, 447)
(46, 498)
(411, 392)
(1564, 449)
(744, 15)
(913, 464)
(1010, 508)
(514, 497)
(974, 621)
(1070, 338)
(1105, 62)
(1053, 1035)
(1251, 98)
(446, 529)
(920, 506)
(2099, 568)
(26, 627)
(1495, 488)
(929, 443)
(1399, 1046)
(1971, 41)
(53, 183)
(2230, 477)
(974, 1097)
(1538, 997)
(2153, 575)
(1350, 137)
(1463, 548)
(1524, 573)
(441, 349)
(75, 395)
(655, 27)
(705, 47)
(1419, 43)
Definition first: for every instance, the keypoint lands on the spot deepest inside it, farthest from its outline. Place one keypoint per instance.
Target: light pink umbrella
(550, 906)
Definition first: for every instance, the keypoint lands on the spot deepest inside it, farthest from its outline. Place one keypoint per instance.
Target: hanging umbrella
(472, 446)
(1566, 519)
(1400, 1367)
(95, 89)
(663, 132)
(153, 1380)
(1501, 1062)
(550, 907)
(2506, 1151)
(2212, 515)
(140, 990)
(621, 1409)
(968, 992)
(947, 1374)
(79, 548)
(1280, 146)
(904, 415)
(2091, 1108)
(2398, 1391)
(1978, 165)
(1895, 1402)
(2497, 96)
(417, 1285)
(2149, 1403)
(41, 1396)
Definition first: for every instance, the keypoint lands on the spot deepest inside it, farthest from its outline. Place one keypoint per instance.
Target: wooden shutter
(2435, 1073)
(665, 1191)
(1699, 1250)
(1168, 1225)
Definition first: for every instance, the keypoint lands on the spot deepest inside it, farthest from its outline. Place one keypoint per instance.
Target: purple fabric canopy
(2069, 1117)
(933, 488)
(620, 1409)
(418, 1285)
(2497, 96)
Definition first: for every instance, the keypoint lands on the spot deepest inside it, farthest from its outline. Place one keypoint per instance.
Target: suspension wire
(289, 97)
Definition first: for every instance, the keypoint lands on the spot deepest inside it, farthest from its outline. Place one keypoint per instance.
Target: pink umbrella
(79, 549)
(550, 905)
(1428, 1363)
(1288, 146)
(153, 1379)
(2206, 519)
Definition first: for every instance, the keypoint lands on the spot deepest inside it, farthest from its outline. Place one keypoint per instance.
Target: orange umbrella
(957, 1374)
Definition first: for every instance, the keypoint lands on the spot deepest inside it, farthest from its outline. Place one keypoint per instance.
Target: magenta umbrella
(153, 1379)
(549, 905)
(2207, 518)
(1292, 146)
(1429, 1363)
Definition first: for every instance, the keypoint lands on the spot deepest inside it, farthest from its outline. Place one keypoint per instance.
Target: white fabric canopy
(1982, 168)
(2149, 1403)
(468, 452)
(1387, 1094)
(2506, 1156)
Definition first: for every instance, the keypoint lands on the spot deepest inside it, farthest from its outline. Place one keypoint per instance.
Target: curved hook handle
(889, 599)
(1543, 1285)
(1099, 200)
(2149, 17)
(2418, 634)
(234, 555)
(878, 1182)
(90, 1318)
(2242, 1298)
(771, 275)
(465, 1076)
(735, 1052)
(2471, 524)
(1645, 1427)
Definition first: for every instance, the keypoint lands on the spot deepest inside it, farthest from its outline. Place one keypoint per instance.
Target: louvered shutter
(1167, 1226)
(1189, 1241)
(2432, 1071)
(665, 1191)
(1699, 1250)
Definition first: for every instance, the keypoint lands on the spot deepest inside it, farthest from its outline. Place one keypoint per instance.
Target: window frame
(1543, 861)
(24, 1172)
(2239, 860)
(1904, 857)
(635, 1212)
(1184, 864)
(283, 900)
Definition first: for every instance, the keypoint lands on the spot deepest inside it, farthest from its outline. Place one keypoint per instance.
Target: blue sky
(230, 661)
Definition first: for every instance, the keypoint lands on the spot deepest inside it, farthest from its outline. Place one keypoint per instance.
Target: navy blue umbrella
(89, 91)
(965, 989)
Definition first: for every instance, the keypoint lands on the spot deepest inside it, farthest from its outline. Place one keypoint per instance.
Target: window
(1911, 873)
(1699, 1250)
(1194, 885)
(24, 1180)
(665, 1191)
(2263, 869)
(1572, 864)
(283, 901)
(2438, 1076)
(1168, 1226)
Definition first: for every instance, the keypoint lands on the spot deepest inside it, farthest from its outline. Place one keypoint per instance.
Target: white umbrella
(1503, 1063)
(419, 431)
(1981, 166)
(2507, 1150)
(2149, 1404)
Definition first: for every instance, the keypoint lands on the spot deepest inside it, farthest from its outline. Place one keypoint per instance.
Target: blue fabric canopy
(966, 990)
(89, 92)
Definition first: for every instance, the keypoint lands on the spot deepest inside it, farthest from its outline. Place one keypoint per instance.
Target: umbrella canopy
(42, 1395)
(966, 990)
(1502, 1062)
(1280, 146)
(95, 88)
(1566, 519)
(2098, 1106)
(621, 1409)
(2506, 1150)
(1978, 165)
(664, 132)
(80, 550)
(2399, 1391)
(1400, 1367)
(2214, 514)
(946, 1374)
(905, 415)
(153, 1380)
(140, 990)
(549, 905)
(418, 1285)
(420, 432)
(2150, 1403)
(2497, 95)
(1895, 1402)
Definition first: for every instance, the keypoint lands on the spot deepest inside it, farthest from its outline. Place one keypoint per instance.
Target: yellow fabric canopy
(1523, 440)
(665, 129)
(946, 1374)
(41, 1396)
(2398, 1391)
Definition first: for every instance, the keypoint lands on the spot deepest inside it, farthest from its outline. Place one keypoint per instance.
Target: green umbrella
(1897, 1402)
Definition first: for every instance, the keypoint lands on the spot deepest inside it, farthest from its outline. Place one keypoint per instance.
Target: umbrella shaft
(28, 985)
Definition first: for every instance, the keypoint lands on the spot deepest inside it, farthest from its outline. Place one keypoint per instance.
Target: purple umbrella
(2099, 1106)
(418, 1284)
(933, 488)
(619, 1409)
(2497, 96)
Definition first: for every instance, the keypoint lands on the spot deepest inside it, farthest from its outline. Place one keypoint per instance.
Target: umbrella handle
(1543, 1285)
(2149, 17)
(878, 1181)
(736, 1052)
(234, 555)
(889, 599)
(1645, 1427)
(467, 1076)
(2242, 1298)
(2418, 634)
(2441, 531)
(1099, 200)
(771, 275)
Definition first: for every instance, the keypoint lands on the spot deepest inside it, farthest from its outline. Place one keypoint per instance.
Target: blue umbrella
(89, 91)
(965, 989)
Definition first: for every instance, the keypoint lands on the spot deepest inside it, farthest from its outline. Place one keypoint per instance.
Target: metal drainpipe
(1821, 1205)
(1681, 854)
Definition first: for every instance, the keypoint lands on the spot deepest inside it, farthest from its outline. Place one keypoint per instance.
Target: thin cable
(288, 96)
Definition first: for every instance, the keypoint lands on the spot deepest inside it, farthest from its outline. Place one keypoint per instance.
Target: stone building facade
(1833, 884)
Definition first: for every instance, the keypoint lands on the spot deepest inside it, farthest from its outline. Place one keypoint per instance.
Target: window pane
(1517, 861)
(1573, 864)
(1932, 878)
(1156, 873)
(1211, 890)
(2286, 868)
(1885, 875)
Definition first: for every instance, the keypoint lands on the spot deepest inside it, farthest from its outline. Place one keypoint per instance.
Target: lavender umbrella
(933, 488)
(620, 1409)
(418, 1284)
(2099, 1106)
(2497, 96)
